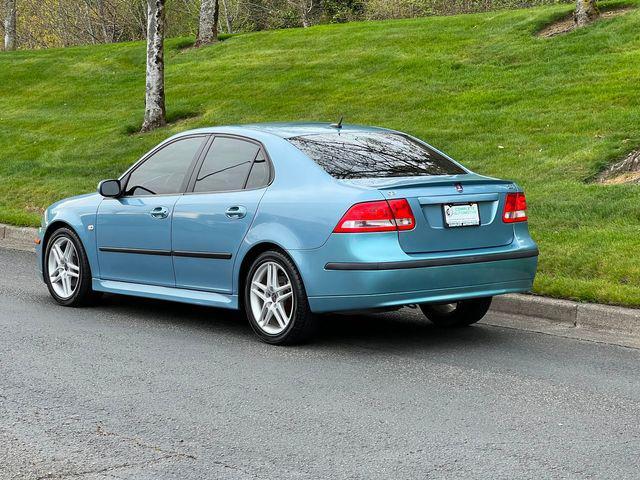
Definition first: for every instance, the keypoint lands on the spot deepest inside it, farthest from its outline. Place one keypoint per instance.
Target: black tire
(83, 294)
(301, 326)
(459, 314)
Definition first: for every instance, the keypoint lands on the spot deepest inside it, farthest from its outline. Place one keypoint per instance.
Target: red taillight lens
(402, 214)
(515, 208)
(379, 216)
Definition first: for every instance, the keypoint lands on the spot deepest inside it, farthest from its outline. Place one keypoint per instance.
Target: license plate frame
(457, 215)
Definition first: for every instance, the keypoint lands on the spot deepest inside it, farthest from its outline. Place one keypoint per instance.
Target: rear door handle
(160, 212)
(237, 211)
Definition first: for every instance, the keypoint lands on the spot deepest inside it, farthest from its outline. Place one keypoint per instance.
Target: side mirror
(110, 188)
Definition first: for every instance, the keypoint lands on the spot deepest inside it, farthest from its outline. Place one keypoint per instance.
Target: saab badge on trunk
(459, 188)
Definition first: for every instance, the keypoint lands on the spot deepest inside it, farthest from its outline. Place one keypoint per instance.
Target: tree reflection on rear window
(348, 155)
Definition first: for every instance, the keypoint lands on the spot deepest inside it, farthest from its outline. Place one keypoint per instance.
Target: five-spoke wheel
(66, 269)
(272, 301)
(275, 300)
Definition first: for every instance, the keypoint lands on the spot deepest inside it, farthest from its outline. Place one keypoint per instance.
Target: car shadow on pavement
(403, 328)
(160, 311)
(406, 327)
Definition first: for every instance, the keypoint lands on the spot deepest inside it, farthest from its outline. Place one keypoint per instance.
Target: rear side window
(259, 175)
(227, 165)
(348, 155)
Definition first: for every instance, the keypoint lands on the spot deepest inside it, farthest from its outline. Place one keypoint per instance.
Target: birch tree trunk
(10, 25)
(586, 12)
(304, 16)
(227, 17)
(208, 25)
(154, 112)
(102, 16)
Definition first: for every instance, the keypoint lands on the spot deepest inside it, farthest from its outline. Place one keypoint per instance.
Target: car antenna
(339, 124)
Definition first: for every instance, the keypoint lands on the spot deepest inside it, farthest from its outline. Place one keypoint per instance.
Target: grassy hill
(548, 113)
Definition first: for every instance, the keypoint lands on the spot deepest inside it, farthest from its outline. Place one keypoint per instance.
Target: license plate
(461, 215)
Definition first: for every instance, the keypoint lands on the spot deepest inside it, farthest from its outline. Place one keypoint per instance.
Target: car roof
(289, 129)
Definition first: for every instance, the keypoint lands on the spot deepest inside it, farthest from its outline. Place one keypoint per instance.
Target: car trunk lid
(428, 198)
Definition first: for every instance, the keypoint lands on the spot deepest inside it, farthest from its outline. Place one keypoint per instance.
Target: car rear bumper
(360, 271)
(438, 295)
(434, 262)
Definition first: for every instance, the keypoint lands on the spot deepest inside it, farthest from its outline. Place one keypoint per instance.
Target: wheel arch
(56, 225)
(50, 230)
(248, 258)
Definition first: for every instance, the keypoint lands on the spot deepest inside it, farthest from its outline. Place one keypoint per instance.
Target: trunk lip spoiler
(459, 198)
(435, 262)
(424, 181)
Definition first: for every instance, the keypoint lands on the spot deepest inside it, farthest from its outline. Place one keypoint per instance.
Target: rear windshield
(348, 155)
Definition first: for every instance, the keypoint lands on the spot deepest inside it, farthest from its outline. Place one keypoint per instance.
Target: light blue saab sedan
(285, 221)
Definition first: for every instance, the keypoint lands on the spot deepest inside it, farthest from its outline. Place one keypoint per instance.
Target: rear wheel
(459, 314)
(275, 301)
(66, 270)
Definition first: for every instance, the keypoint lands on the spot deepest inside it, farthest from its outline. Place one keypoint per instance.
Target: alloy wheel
(271, 297)
(64, 270)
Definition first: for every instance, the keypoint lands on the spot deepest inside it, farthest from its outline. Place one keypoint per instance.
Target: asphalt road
(152, 390)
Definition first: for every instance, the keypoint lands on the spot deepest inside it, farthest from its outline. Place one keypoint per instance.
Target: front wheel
(459, 314)
(66, 269)
(276, 302)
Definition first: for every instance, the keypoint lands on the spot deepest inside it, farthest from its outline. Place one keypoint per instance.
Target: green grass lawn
(548, 113)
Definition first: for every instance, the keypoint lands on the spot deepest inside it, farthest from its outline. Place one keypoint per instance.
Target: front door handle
(236, 212)
(160, 212)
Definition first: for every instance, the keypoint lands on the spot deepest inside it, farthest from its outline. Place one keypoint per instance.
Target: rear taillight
(402, 214)
(378, 216)
(515, 208)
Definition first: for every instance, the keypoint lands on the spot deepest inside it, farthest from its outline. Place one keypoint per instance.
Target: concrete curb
(603, 317)
(20, 238)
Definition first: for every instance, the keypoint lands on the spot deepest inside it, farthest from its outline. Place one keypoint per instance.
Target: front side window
(165, 171)
(227, 165)
(351, 155)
